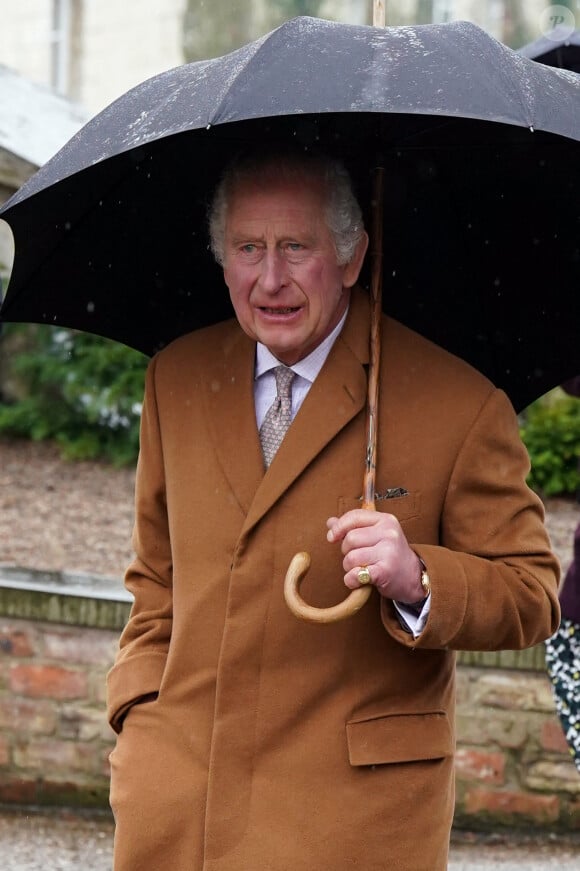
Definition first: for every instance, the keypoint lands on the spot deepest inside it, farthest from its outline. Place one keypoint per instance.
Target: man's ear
(352, 269)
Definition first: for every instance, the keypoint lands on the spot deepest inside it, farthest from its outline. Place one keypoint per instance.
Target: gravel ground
(63, 842)
(513, 857)
(78, 516)
(57, 515)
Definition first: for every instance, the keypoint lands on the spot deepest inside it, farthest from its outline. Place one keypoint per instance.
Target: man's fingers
(339, 527)
(330, 525)
(362, 556)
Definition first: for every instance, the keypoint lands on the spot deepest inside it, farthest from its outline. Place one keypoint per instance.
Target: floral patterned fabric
(563, 664)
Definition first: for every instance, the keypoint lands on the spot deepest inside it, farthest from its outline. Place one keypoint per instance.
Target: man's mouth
(287, 310)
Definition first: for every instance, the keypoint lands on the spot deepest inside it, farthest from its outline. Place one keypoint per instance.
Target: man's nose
(274, 273)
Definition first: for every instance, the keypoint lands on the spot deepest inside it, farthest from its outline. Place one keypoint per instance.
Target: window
(60, 42)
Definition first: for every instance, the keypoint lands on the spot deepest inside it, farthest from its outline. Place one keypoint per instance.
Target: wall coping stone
(70, 598)
(531, 659)
(65, 583)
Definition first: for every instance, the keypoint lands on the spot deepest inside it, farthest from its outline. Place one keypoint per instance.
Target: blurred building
(94, 50)
(91, 50)
(34, 123)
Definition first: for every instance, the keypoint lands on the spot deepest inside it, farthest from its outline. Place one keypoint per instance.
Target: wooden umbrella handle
(295, 575)
(301, 561)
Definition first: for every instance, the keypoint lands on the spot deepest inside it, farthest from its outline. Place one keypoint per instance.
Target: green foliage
(215, 28)
(211, 30)
(287, 9)
(515, 28)
(82, 391)
(551, 433)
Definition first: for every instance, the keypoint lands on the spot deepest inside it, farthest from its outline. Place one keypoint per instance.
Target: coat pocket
(403, 507)
(399, 738)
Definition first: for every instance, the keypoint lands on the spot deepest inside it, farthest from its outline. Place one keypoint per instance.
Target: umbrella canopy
(480, 149)
(556, 49)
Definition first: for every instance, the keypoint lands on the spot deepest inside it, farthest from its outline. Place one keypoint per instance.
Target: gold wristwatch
(425, 582)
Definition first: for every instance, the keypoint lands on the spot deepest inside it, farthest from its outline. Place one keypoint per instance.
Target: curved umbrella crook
(301, 561)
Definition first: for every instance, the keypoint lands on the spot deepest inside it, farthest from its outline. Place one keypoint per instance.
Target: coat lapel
(337, 395)
(229, 402)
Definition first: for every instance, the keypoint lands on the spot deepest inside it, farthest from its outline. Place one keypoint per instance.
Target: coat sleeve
(144, 643)
(494, 579)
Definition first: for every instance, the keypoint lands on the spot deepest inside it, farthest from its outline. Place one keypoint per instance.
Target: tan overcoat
(277, 745)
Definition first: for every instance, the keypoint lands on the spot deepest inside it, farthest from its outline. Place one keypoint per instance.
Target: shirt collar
(309, 366)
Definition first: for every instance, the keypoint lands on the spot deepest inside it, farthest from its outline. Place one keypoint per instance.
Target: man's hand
(376, 540)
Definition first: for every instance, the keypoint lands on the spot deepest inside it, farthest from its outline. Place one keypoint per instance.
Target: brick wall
(58, 636)
(54, 740)
(513, 767)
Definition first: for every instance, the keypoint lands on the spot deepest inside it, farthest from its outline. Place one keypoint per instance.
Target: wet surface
(63, 841)
(512, 850)
(55, 842)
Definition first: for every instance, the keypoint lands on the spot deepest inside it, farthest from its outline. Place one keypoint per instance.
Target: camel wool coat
(252, 741)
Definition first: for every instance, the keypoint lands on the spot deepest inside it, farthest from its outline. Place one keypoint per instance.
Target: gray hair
(342, 212)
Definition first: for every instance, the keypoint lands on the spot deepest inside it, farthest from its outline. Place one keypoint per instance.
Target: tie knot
(284, 378)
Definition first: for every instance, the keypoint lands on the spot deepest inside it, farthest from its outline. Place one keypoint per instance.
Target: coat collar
(337, 395)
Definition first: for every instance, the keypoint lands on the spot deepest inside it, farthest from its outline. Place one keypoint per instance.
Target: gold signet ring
(364, 576)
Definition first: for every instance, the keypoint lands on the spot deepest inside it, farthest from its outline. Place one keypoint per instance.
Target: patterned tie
(279, 415)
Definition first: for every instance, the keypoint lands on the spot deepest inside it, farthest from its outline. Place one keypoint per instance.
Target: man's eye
(295, 246)
(248, 248)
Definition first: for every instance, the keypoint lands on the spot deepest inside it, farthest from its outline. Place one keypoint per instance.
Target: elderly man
(248, 739)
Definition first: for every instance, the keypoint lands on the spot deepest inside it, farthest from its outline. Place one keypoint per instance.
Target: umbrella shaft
(379, 13)
(375, 339)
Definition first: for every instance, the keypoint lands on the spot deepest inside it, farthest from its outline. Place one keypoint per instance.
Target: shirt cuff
(410, 620)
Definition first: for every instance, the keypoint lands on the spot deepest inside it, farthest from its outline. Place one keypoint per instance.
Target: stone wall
(513, 767)
(58, 636)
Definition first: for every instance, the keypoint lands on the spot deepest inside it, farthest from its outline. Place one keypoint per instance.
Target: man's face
(280, 265)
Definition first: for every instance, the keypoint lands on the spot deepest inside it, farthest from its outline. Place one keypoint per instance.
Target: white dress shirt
(306, 371)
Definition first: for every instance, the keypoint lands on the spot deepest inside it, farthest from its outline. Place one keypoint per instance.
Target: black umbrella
(480, 151)
(559, 48)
